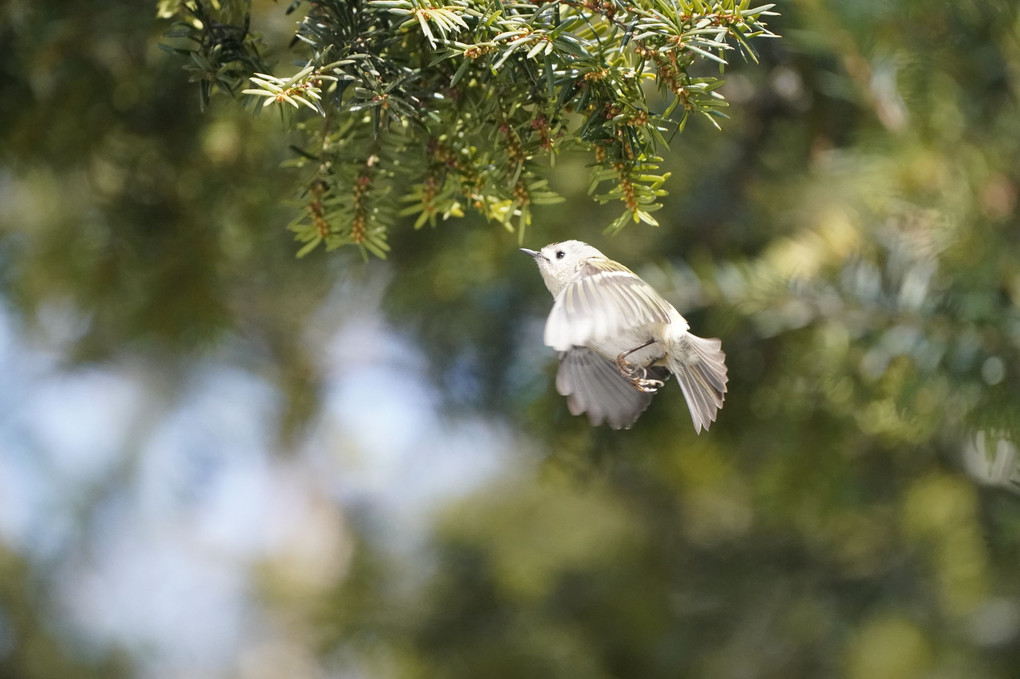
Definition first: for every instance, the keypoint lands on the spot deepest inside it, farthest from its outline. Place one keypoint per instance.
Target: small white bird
(619, 340)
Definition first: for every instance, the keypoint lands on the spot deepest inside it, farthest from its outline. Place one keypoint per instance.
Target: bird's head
(558, 262)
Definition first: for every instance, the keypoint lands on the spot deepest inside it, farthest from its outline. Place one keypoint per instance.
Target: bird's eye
(560, 254)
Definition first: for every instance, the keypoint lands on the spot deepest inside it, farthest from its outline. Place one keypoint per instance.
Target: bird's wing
(603, 299)
(592, 385)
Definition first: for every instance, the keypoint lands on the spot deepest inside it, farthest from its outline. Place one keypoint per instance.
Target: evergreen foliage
(465, 105)
(852, 237)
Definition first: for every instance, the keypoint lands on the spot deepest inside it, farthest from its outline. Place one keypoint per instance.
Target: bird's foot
(637, 375)
(645, 384)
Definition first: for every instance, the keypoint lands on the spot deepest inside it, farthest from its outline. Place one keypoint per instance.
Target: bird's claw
(637, 375)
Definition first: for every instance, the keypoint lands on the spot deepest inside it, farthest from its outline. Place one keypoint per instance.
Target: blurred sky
(154, 506)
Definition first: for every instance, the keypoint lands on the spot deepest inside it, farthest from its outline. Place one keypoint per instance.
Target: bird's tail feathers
(700, 368)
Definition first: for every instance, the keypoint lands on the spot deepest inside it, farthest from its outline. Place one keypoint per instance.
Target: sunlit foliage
(445, 108)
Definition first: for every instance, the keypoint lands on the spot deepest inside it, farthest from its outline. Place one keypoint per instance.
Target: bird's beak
(533, 253)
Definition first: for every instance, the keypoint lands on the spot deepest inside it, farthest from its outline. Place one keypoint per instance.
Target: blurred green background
(219, 461)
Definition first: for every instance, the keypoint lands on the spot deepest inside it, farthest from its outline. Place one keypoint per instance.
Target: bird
(619, 340)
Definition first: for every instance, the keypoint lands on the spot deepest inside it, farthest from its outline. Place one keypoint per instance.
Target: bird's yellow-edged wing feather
(602, 300)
